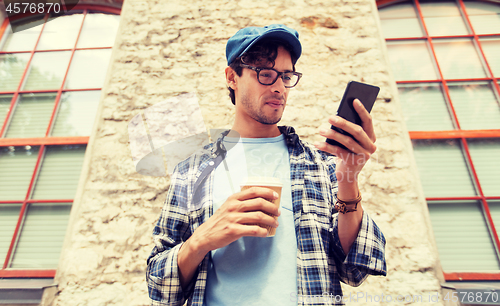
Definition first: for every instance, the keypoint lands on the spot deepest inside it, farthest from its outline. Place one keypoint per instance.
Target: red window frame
(5, 272)
(458, 134)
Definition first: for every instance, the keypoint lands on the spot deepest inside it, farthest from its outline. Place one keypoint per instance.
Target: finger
(256, 192)
(254, 218)
(338, 151)
(346, 140)
(258, 204)
(358, 132)
(250, 230)
(366, 119)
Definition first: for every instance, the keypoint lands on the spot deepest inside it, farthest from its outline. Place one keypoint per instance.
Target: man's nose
(279, 85)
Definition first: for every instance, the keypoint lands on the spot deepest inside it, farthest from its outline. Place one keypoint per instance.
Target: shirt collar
(291, 139)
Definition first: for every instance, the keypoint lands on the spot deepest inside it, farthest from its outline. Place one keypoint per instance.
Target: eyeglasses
(269, 76)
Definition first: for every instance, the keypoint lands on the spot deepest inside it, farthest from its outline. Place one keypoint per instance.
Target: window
(445, 57)
(51, 77)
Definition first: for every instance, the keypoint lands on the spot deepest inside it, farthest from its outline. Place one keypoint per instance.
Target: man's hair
(262, 54)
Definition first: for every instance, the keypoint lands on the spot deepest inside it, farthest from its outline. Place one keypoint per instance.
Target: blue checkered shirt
(321, 261)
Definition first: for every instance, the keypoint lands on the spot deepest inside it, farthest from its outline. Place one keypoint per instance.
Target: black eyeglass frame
(278, 74)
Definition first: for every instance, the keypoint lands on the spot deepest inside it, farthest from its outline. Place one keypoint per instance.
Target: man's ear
(230, 78)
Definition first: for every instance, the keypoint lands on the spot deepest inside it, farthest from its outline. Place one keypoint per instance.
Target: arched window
(50, 85)
(445, 57)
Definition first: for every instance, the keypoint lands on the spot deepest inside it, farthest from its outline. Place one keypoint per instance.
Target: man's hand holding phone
(352, 137)
(362, 142)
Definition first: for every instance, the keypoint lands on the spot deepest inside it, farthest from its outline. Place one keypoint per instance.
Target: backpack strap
(220, 154)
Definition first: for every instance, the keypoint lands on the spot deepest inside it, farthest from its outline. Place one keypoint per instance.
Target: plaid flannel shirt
(321, 261)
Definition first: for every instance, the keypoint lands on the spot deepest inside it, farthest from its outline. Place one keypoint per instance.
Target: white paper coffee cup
(268, 182)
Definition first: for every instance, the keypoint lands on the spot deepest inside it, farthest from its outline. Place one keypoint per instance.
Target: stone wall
(167, 48)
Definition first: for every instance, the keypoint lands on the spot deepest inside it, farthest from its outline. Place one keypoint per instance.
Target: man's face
(263, 103)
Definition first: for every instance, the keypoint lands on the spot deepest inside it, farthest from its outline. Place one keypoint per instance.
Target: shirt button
(330, 229)
(211, 163)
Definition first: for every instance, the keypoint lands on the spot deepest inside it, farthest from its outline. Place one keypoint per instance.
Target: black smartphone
(366, 93)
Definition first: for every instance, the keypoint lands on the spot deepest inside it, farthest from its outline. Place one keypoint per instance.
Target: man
(211, 246)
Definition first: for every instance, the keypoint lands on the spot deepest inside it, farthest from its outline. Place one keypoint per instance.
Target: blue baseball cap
(245, 38)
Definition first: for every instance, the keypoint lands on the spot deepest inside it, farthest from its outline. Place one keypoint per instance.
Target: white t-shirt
(254, 270)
